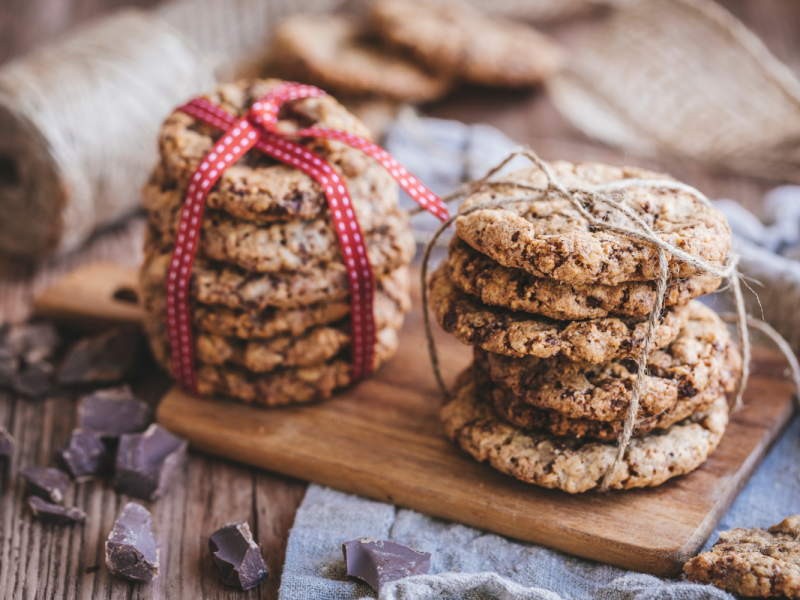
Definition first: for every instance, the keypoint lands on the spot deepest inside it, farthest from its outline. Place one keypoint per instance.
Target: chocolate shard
(146, 462)
(238, 556)
(44, 482)
(33, 342)
(35, 380)
(378, 562)
(112, 412)
(131, 549)
(9, 366)
(53, 513)
(85, 455)
(106, 358)
(6, 444)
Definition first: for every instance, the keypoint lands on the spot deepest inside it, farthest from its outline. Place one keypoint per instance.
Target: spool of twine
(79, 120)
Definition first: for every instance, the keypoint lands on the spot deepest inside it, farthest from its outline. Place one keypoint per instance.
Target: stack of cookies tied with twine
(594, 366)
(269, 295)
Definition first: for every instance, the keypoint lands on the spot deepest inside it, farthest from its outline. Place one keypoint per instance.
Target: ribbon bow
(258, 129)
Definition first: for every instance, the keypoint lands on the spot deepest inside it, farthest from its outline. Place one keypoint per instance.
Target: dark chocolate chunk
(33, 342)
(378, 562)
(6, 444)
(131, 550)
(106, 358)
(85, 455)
(35, 380)
(113, 412)
(46, 483)
(146, 461)
(53, 513)
(238, 556)
(9, 366)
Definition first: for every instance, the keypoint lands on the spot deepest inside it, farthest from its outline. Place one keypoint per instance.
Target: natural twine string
(579, 198)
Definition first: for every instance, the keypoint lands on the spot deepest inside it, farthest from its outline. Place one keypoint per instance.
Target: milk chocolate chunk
(131, 549)
(112, 412)
(35, 380)
(85, 455)
(238, 556)
(6, 444)
(33, 342)
(106, 358)
(146, 462)
(44, 482)
(53, 513)
(377, 562)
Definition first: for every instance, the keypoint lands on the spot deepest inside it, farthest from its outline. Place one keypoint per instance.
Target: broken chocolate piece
(9, 366)
(35, 380)
(33, 342)
(53, 513)
(85, 455)
(106, 358)
(6, 444)
(146, 461)
(131, 550)
(378, 562)
(238, 556)
(49, 484)
(113, 412)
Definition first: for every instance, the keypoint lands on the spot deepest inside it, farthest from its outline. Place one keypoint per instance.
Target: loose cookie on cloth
(550, 238)
(521, 334)
(576, 465)
(257, 187)
(456, 39)
(333, 53)
(702, 356)
(753, 562)
(496, 285)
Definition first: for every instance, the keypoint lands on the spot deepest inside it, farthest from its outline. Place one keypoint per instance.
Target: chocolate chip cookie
(753, 562)
(521, 334)
(578, 465)
(496, 285)
(333, 53)
(454, 38)
(550, 238)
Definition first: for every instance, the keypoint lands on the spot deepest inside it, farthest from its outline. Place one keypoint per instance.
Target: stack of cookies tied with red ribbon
(276, 258)
(557, 310)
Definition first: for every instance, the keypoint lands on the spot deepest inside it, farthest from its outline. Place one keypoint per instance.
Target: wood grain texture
(383, 439)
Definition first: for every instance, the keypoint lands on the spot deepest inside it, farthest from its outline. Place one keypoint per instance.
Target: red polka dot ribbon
(258, 129)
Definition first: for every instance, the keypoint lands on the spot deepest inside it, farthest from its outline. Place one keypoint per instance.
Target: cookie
(550, 238)
(299, 246)
(291, 385)
(259, 188)
(496, 285)
(521, 334)
(333, 53)
(392, 301)
(753, 562)
(228, 285)
(578, 465)
(456, 39)
(703, 355)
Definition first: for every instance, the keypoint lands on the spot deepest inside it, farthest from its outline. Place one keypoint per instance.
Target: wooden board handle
(93, 297)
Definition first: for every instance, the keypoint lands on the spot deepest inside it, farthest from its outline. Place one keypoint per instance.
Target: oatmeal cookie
(298, 246)
(333, 53)
(258, 187)
(550, 238)
(521, 334)
(496, 285)
(703, 355)
(578, 465)
(753, 562)
(456, 39)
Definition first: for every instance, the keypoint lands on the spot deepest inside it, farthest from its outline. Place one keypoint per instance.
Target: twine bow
(259, 129)
(582, 198)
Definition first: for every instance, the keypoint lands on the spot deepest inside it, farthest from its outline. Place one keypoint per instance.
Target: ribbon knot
(259, 129)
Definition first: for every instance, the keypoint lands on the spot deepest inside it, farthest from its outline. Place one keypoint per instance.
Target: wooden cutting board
(382, 439)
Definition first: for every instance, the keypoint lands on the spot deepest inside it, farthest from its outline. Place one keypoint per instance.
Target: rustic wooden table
(47, 561)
